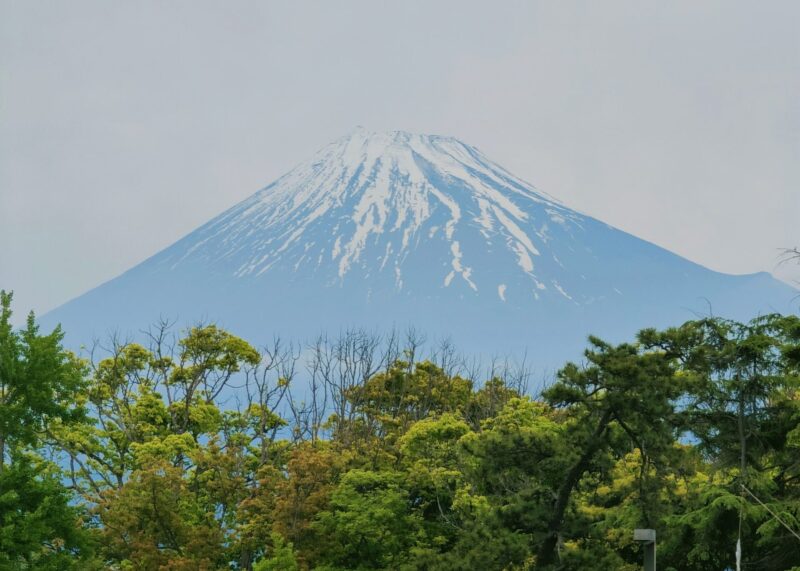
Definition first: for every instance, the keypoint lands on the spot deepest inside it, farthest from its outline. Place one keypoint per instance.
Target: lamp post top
(644, 535)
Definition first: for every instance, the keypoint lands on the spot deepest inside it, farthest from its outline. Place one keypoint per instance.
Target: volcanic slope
(382, 230)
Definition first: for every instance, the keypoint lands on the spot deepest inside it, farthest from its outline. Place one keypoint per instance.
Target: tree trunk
(547, 551)
(246, 560)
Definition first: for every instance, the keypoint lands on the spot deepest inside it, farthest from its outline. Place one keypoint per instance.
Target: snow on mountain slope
(383, 229)
(367, 202)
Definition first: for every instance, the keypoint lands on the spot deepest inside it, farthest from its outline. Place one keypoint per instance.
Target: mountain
(398, 229)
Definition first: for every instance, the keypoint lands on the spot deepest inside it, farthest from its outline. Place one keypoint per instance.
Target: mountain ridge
(396, 228)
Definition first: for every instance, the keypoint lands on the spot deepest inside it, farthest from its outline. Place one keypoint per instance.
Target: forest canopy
(195, 450)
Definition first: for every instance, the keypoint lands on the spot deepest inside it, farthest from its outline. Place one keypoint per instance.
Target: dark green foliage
(195, 456)
(39, 529)
(40, 386)
(39, 382)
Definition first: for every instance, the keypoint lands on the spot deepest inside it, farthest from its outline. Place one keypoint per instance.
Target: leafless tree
(266, 386)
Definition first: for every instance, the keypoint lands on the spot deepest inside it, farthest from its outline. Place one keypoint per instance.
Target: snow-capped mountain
(397, 229)
(373, 206)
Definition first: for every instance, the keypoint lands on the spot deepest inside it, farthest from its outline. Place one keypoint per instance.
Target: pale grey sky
(124, 125)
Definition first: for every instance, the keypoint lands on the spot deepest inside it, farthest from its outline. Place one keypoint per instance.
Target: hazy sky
(124, 125)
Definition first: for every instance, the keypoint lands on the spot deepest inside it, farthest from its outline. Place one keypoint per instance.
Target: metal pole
(647, 537)
(650, 556)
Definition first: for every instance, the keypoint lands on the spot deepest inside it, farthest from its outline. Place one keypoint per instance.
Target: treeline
(204, 453)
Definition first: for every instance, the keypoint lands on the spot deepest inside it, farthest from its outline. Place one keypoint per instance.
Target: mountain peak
(383, 228)
(362, 143)
(371, 201)
(398, 135)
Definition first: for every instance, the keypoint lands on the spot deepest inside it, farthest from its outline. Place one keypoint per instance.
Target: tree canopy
(202, 452)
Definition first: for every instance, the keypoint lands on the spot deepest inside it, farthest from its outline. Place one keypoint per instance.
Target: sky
(124, 126)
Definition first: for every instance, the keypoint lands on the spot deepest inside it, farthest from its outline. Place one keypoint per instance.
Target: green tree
(181, 462)
(626, 396)
(369, 523)
(390, 401)
(155, 522)
(39, 382)
(40, 527)
(39, 387)
(513, 463)
(742, 410)
(280, 558)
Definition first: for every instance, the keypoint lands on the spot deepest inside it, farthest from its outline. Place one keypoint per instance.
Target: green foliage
(154, 521)
(190, 454)
(40, 386)
(38, 381)
(39, 529)
(369, 523)
(281, 558)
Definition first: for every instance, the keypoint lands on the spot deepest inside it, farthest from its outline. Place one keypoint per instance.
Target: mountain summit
(398, 229)
(383, 206)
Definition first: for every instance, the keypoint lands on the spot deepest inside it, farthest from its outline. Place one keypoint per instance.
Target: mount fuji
(382, 230)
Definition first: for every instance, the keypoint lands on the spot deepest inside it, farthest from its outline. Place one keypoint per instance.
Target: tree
(163, 465)
(39, 382)
(155, 522)
(40, 527)
(282, 557)
(390, 401)
(626, 396)
(39, 388)
(742, 410)
(513, 463)
(191, 454)
(370, 523)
